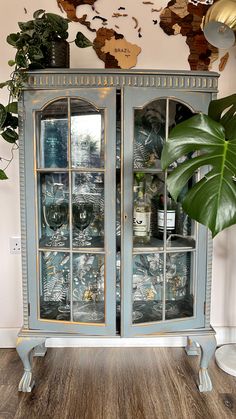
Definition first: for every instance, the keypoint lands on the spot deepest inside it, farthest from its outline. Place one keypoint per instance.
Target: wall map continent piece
(124, 52)
(181, 17)
(178, 17)
(69, 6)
(114, 49)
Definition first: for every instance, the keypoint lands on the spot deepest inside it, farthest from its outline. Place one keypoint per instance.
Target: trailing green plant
(211, 139)
(32, 43)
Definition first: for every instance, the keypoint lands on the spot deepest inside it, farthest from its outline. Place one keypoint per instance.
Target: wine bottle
(170, 216)
(142, 217)
(51, 144)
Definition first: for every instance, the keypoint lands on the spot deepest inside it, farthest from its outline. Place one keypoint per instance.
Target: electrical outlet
(15, 245)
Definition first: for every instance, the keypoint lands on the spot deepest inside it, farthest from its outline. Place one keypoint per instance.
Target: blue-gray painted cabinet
(105, 250)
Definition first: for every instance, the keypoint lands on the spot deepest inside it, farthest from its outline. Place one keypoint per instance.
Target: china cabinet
(105, 251)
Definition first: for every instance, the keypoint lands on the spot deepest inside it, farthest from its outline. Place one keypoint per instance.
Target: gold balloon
(223, 11)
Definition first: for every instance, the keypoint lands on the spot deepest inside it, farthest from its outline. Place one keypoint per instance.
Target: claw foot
(204, 380)
(26, 383)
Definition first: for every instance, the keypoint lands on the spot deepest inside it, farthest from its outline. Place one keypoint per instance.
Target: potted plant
(211, 140)
(39, 43)
(212, 200)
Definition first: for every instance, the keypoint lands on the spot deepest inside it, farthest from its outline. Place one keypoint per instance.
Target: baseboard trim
(8, 337)
(224, 335)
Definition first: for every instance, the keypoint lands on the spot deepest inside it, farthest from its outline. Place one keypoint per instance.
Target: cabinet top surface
(117, 72)
(162, 79)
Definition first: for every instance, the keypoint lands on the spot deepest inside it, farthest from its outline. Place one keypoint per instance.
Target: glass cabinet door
(164, 252)
(75, 172)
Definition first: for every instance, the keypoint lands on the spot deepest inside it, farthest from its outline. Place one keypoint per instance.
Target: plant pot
(58, 55)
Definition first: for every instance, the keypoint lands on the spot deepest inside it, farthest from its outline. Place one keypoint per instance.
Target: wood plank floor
(114, 383)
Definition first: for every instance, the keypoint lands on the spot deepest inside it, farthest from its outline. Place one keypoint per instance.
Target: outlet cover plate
(15, 245)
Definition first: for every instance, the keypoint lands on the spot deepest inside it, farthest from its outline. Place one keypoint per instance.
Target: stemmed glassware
(83, 214)
(56, 215)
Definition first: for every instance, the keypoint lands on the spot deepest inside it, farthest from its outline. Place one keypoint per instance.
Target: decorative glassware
(83, 214)
(56, 215)
(95, 315)
(65, 308)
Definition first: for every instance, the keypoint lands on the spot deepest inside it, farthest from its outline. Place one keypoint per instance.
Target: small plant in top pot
(40, 43)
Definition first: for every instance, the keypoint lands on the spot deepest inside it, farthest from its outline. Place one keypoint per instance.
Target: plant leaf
(13, 38)
(10, 121)
(81, 41)
(37, 13)
(5, 83)
(218, 106)
(12, 107)
(9, 135)
(212, 200)
(3, 175)
(59, 24)
(26, 26)
(3, 115)
(224, 111)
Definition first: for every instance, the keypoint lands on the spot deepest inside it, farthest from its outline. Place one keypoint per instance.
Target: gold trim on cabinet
(71, 322)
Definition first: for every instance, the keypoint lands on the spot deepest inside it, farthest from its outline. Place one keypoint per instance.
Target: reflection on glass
(149, 134)
(55, 286)
(54, 210)
(52, 147)
(179, 287)
(147, 286)
(149, 282)
(88, 208)
(87, 142)
(178, 112)
(88, 288)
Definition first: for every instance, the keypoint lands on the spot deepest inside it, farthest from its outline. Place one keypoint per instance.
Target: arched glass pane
(53, 135)
(149, 134)
(87, 135)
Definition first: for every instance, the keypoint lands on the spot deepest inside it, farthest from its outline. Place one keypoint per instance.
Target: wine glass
(82, 216)
(55, 215)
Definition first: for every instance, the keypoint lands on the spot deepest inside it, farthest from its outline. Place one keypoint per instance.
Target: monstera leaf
(212, 200)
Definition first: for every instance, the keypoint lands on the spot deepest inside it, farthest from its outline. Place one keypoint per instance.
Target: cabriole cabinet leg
(24, 347)
(208, 347)
(40, 350)
(192, 348)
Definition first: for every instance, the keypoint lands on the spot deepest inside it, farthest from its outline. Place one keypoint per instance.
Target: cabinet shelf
(179, 244)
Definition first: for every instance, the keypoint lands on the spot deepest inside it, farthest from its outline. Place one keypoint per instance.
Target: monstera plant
(210, 141)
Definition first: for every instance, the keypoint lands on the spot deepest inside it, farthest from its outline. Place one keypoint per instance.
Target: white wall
(158, 52)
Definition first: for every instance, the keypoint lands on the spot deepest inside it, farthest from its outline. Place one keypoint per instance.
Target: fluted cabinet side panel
(23, 214)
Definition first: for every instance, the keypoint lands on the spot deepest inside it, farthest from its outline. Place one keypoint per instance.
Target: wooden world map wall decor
(179, 17)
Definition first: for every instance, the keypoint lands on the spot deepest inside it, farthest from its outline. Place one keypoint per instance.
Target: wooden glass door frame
(103, 98)
(134, 99)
